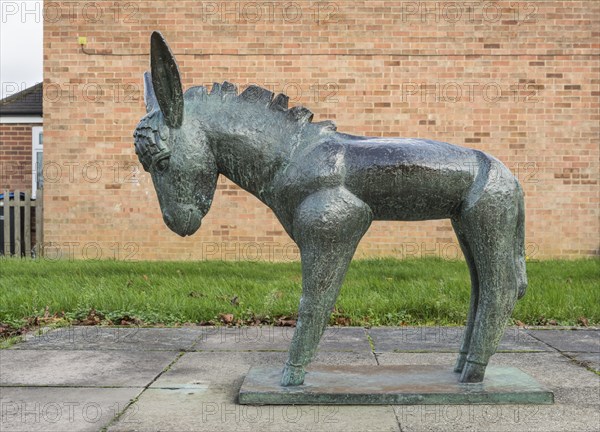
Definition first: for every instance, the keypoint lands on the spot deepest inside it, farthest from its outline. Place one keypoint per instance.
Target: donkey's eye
(162, 165)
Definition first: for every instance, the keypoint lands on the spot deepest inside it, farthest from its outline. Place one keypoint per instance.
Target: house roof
(26, 102)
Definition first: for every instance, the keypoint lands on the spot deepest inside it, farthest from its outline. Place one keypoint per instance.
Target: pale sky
(21, 45)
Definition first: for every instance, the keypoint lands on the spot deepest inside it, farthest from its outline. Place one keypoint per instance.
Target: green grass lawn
(375, 292)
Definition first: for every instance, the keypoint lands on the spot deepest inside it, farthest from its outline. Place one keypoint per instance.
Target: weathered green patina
(401, 385)
(326, 188)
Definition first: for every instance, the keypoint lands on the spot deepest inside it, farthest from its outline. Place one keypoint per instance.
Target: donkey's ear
(149, 95)
(166, 80)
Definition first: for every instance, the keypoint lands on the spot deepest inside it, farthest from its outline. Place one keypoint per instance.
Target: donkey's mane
(259, 106)
(255, 97)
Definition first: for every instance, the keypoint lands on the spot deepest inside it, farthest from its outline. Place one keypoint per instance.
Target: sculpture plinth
(398, 385)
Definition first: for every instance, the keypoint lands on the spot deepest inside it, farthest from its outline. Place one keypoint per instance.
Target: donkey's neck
(249, 154)
(252, 141)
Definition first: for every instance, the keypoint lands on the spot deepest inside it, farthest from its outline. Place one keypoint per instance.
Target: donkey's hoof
(292, 375)
(460, 363)
(472, 373)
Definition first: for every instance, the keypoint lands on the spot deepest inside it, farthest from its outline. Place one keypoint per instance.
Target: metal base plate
(381, 385)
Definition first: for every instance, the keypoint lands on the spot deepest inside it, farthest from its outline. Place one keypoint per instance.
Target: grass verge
(375, 292)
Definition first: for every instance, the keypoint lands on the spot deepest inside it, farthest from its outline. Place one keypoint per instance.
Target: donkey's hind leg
(327, 227)
(467, 252)
(490, 226)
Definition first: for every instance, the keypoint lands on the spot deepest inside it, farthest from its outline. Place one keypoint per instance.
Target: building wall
(15, 156)
(516, 79)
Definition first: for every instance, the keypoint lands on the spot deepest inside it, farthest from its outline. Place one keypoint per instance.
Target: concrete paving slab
(115, 338)
(199, 392)
(30, 409)
(498, 418)
(267, 338)
(82, 368)
(224, 370)
(213, 410)
(578, 396)
(228, 369)
(339, 357)
(444, 339)
(590, 360)
(570, 340)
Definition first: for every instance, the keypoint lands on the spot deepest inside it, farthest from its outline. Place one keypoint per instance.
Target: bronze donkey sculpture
(325, 188)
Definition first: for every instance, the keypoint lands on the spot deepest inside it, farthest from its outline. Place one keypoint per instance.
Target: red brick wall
(15, 156)
(515, 79)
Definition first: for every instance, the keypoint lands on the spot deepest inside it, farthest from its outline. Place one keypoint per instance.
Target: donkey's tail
(520, 244)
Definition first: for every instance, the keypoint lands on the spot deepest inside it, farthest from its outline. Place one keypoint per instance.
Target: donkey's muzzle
(184, 221)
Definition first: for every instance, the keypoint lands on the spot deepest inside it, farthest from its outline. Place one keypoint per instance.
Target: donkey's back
(402, 178)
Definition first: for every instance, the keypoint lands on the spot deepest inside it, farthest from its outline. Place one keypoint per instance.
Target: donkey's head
(172, 147)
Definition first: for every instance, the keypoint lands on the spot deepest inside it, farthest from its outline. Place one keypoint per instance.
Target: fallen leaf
(235, 301)
(583, 321)
(226, 318)
(520, 323)
(286, 322)
(342, 321)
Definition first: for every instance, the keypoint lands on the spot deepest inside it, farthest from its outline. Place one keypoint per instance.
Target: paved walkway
(187, 379)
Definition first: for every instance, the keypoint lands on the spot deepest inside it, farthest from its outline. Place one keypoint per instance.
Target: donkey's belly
(406, 179)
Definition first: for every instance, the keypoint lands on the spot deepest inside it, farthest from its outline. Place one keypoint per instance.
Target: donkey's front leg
(327, 227)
